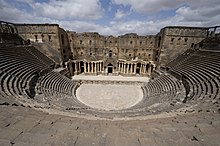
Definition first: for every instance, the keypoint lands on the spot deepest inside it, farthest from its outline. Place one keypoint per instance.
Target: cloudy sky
(113, 17)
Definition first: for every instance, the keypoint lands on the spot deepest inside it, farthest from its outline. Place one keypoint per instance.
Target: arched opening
(110, 68)
(81, 67)
(138, 68)
(110, 54)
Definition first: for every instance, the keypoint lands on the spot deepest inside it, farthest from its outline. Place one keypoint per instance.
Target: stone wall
(64, 45)
(92, 48)
(129, 54)
(174, 40)
(48, 38)
(8, 34)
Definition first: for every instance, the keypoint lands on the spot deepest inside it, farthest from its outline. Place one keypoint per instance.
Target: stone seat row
(19, 75)
(165, 88)
(182, 57)
(18, 69)
(43, 58)
(58, 90)
(163, 84)
(21, 67)
(8, 38)
(202, 73)
(57, 82)
(19, 51)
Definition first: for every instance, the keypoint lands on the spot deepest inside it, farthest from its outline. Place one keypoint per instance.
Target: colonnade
(77, 67)
(93, 67)
(122, 67)
(133, 68)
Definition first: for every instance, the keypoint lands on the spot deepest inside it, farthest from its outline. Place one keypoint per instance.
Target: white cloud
(120, 14)
(191, 13)
(202, 16)
(54, 9)
(146, 6)
(150, 6)
(82, 15)
(69, 9)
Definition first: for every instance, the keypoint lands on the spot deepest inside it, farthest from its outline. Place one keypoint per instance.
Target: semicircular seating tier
(199, 70)
(20, 67)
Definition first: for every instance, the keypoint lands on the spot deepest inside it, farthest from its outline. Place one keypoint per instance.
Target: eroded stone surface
(39, 128)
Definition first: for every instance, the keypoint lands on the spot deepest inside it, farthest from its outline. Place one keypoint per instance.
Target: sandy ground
(111, 78)
(109, 97)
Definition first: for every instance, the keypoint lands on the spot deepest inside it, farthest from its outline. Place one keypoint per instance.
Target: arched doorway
(110, 68)
(138, 68)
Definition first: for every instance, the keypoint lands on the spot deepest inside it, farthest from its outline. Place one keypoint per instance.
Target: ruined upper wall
(8, 34)
(37, 28)
(39, 33)
(174, 40)
(162, 48)
(90, 45)
(7, 27)
(48, 38)
(185, 31)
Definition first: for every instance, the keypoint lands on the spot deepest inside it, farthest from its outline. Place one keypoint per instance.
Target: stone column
(141, 69)
(127, 68)
(79, 67)
(135, 68)
(132, 68)
(122, 65)
(98, 70)
(149, 69)
(88, 67)
(92, 67)
(125, 65)
(75, 67)
(124, 68)
(106, 70)
(95, 67)
(144, 68)
(100, 66)
(71, 68)
(84, 67)
(119, 67)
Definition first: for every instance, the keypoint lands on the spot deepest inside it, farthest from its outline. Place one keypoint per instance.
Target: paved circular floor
(109, 97)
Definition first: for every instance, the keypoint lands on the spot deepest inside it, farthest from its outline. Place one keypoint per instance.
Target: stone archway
(110, 68)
